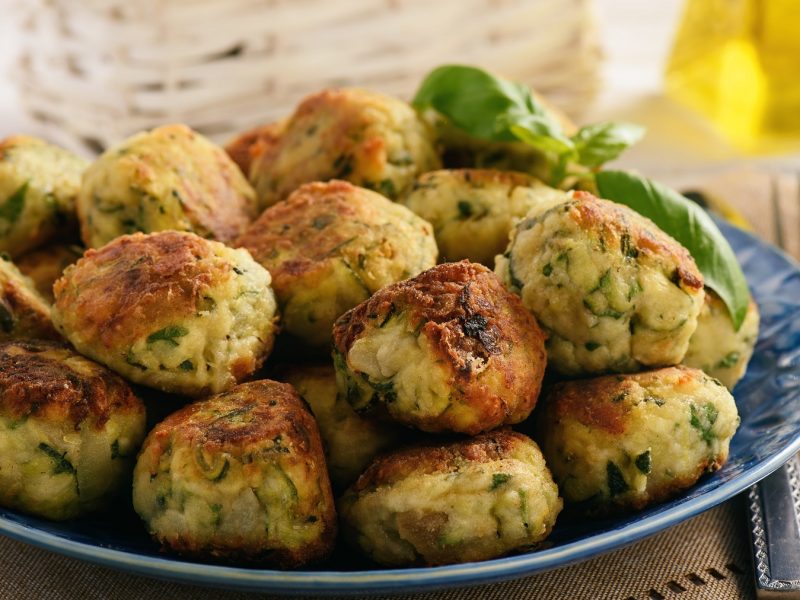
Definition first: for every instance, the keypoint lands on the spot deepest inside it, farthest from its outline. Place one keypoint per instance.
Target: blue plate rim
(410, 579)
(394, 579)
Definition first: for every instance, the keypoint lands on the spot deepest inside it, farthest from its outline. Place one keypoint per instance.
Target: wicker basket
(92, 72)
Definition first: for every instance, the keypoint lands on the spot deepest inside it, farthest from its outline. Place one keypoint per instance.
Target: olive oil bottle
(738, 63)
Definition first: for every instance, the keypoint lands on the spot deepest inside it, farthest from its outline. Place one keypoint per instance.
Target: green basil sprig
(691, 226)
(499, 110)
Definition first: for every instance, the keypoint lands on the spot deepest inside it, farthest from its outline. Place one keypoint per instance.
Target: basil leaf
(486, 106)
(691, 226)
(11, 209)
(603, 142)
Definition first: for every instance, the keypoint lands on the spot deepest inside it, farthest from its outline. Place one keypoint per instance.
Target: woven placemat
(705, 557)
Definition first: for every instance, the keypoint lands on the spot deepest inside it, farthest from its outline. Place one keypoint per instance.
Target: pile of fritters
(414, 309)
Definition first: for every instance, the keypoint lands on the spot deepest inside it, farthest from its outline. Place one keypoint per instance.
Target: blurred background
(710, 79)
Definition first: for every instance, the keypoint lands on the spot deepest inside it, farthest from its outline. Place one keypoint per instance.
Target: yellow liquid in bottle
(738, 63)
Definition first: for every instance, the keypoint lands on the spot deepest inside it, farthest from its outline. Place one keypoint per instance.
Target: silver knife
(774, 509)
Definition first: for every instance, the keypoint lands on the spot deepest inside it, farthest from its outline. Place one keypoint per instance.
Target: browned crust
(45, 265)
(287, 229)
(438, 457)
(600, 403)
(116, 294)
(242, 422)
(245, 148)
(473, 324)
(613, 221)
(33, 384)
(348, 122)
(30, 314)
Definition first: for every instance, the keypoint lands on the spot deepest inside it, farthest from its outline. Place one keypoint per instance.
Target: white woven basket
(92, 72)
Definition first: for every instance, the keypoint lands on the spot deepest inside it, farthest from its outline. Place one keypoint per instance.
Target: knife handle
(774, 509)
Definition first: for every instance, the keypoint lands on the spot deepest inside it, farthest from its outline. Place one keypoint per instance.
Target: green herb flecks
(691, 226)
(11, 209)
(6, 319)
(523, 507)
(703, 420)
(464, 209)
(728, 361)
(499, 479)
(186, 365)
(615, 479)
(60, 462)
(643, 462)
(389, 314)
(168, 335)
(130, 358)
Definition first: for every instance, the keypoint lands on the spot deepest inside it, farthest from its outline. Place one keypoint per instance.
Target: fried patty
(612, 291)
(239, 477)
(472, 210)
(38, 186)
(169, 310)
(448, 350)
(23, 312)
(330, 246)
(170, 178)
(69, 429)
(623, 442)
(372, 140)
(453, 502)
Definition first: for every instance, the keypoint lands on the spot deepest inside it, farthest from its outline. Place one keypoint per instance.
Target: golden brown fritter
(45, 265)
(332, 245)
(69, 429)
(167, 178)
(473, 210)
(49, 380)
(452, 502)
(23, 312)
(716, 346)
(448, 350)
(622, 442)
(246, 147)
(372, 140)
(38, 186)
(351, 440)
(169, 310)
(612, 291)
(239, 477)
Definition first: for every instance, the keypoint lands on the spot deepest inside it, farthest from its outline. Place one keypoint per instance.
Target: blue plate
(769, 405)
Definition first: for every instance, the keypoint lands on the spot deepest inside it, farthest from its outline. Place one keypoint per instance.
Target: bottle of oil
(738, 63)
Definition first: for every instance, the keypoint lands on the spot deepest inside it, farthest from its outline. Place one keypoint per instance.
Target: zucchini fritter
(372, 140)
(612, 291)
(447, 503)
(167, 178)
(169, 310)
(449, 350)
(69, 430)
(239, 477)
(472, 210)
(38, 186)
(716, 347)
(23, 312)
(332, 245)
(622, 442)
